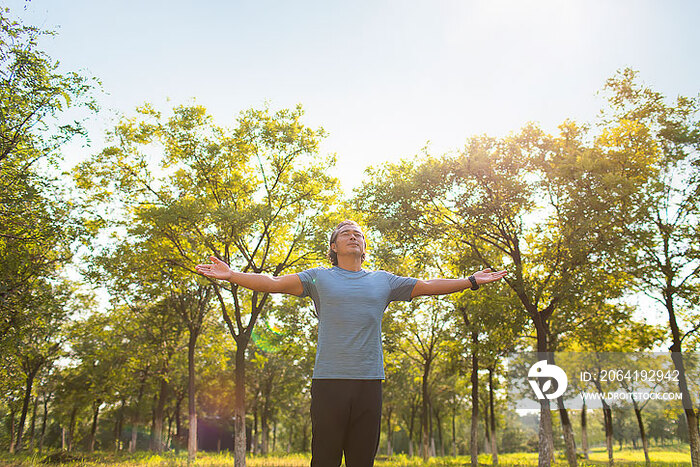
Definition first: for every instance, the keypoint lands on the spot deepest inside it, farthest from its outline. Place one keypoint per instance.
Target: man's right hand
(216, 270)
(289, 283)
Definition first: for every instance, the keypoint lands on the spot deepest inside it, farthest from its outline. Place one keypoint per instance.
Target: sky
(384, 78)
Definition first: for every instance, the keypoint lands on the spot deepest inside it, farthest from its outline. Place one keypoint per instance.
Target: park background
(508, 133)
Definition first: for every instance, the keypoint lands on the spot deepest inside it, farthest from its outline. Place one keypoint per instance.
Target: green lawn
(666, 457)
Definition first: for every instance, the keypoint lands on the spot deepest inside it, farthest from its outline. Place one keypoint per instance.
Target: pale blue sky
(382, 77)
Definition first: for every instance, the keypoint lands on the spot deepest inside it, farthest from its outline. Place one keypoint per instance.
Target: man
(346, 389)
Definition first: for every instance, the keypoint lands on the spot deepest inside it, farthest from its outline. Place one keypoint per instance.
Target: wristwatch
(474, 286)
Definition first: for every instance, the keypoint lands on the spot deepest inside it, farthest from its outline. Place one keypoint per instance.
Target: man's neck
(350, 264)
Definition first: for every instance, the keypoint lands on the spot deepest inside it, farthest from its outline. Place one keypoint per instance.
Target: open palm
(217, 269)
(485, 276)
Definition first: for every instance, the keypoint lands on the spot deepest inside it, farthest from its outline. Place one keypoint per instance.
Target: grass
(662, 457)
(666, 456)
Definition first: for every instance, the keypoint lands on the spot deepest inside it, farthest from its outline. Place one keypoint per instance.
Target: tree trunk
(487, 429)
(12, 430)
(545, 434)
(305, 442)
(389, 432)
(425, 415)
(607, 422)
(239, 443)
(32, 428)
(438, 421)
(607, 416)
(474, 435)
(411, 426)
(159, 415)
(431, 432)
(265, 427)
(71, 428)
(191, 400)
(642, 432)
(584, 431)
(265, 413)
(569, 440)
(546, 437)
(694, 436)
(178, 424)
(134, 426)
(118, 424)
(169, 436)
(689, 405)
(494, 443)
(274, 435)
(152, 442)
(115, 434)
(454, 431)
(93, 428)
(134, 437)
(25, 407)
(256, 432)
(43, 422)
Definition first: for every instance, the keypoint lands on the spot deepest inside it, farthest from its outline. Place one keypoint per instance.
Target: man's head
(346, 237)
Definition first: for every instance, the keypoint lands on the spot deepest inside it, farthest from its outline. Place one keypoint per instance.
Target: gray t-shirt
(350, 306)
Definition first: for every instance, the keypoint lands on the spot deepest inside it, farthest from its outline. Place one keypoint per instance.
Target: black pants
(346, 415)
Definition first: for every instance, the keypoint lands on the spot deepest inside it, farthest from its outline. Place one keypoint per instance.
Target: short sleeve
(308, 281)
(401, 287)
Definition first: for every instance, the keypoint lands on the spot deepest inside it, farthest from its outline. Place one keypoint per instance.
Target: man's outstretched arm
(217, 269)
(448, 286)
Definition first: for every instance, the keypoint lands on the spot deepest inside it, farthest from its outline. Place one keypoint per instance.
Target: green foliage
(254, 196)
(557, 211)
(37, 222)
(33, 94)
(576, 217)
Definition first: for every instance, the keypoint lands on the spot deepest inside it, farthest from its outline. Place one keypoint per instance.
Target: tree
(95, 366)
(286, 342)
(33, 93)
(192, 305)
(426, 336)
(490, 320)
(134, 270)
(37, 225)
(666, 228)
(551, 207)
(252, 197)
(612, 335)
(38, 344)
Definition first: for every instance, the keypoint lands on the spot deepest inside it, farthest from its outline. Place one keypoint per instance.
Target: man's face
(350, 239)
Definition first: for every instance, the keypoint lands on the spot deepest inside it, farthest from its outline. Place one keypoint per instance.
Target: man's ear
(333, 247)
